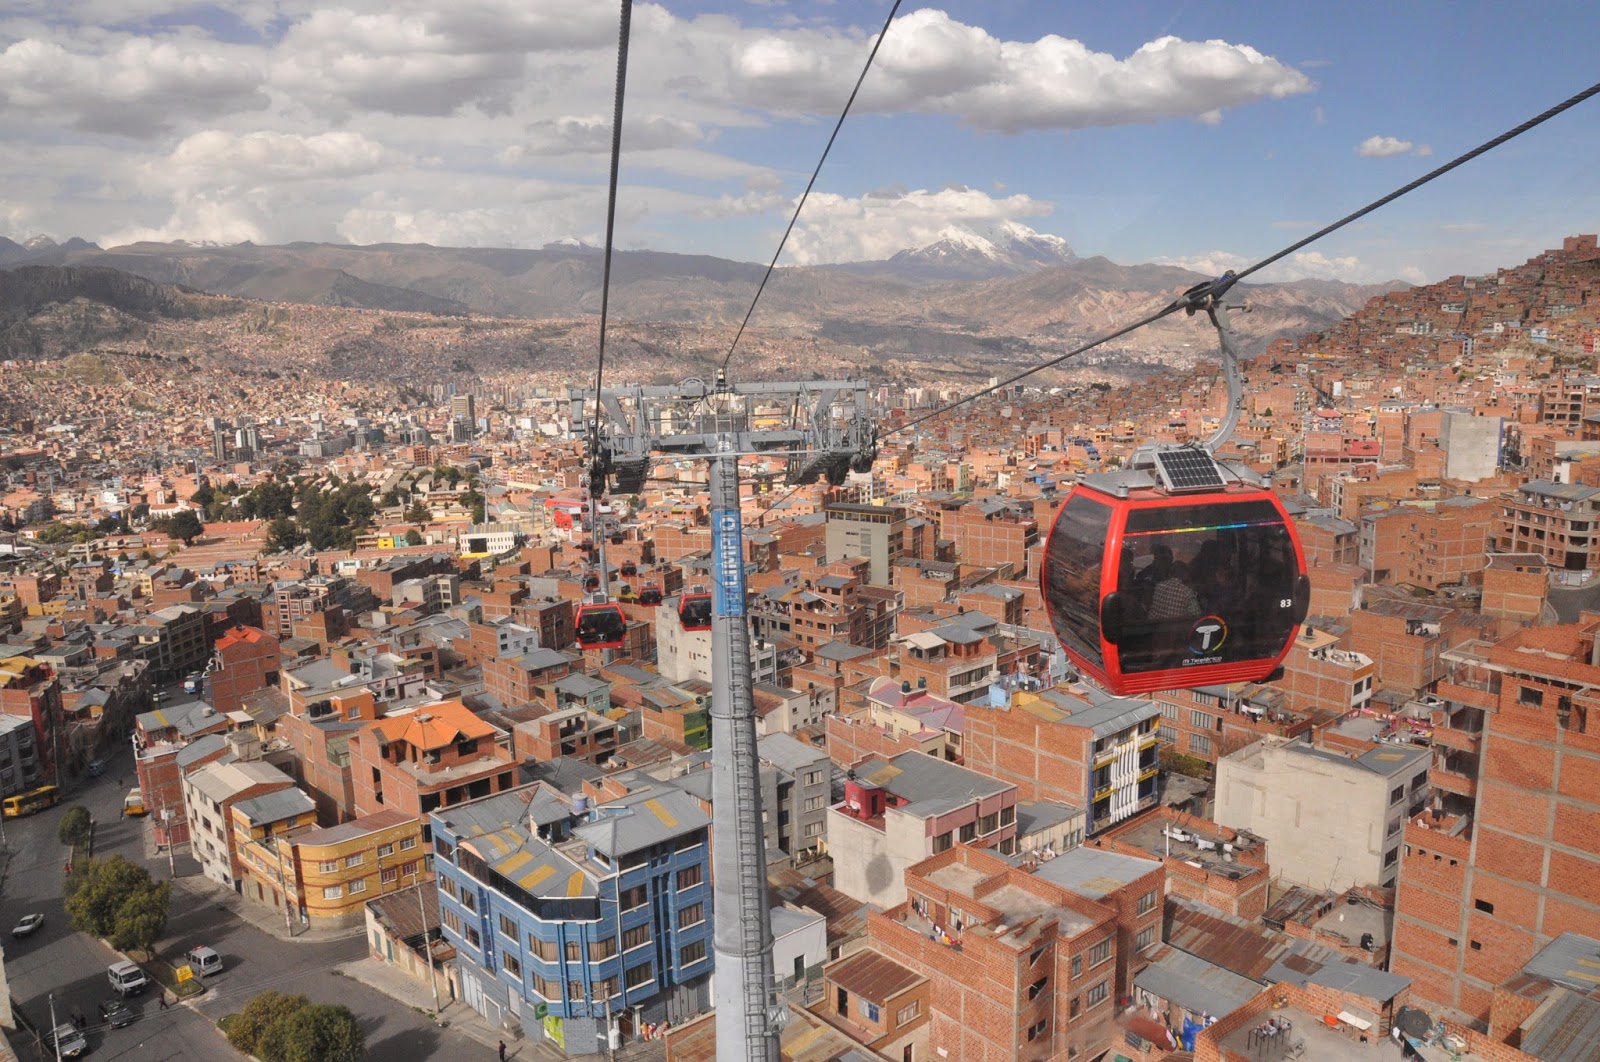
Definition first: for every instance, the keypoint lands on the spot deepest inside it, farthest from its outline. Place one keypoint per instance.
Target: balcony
(1454, 782)
(1460, 740)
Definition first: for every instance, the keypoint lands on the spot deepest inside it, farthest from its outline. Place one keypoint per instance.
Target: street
(72, 966)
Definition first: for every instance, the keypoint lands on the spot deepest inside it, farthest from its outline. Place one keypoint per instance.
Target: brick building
(435, 756)
(248, 661)
(1561, 521)
(1510, 860)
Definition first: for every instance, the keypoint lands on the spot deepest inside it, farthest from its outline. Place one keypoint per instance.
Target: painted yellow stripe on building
(515, 863)
(575, 884)
(537, 876)
(1584, 975)
(661, 813)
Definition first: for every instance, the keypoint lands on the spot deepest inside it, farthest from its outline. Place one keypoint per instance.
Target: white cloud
(219, 160)
(835, 228)
(1383, 147)
(1306, 265)
(139, 88)
(1211, 263)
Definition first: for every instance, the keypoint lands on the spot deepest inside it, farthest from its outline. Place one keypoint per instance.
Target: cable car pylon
(821, 428)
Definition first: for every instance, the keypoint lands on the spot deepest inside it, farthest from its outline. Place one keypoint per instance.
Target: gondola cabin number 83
(1173, 577)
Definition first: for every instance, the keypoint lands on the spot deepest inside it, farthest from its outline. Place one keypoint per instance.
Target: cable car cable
(1197, 296)
(771, 266)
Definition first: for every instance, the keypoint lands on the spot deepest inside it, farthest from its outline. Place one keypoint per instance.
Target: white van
(127, 978)
(204, 961)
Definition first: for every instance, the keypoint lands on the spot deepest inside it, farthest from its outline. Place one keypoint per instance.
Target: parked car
(127, 978)
(67, 1041)
(117, 1014)
(204, 961)
(28, 924)
(97, 768)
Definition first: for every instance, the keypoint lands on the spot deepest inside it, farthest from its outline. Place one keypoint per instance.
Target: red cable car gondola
(600, 625)
(650, 595)
(1174, 575)
(694, 610)
(591, 583)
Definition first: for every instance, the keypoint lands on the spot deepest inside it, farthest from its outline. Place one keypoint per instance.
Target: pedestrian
(163, 1000)
(502, 1051)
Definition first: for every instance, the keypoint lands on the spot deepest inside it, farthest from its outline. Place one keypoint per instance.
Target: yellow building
(334, 871)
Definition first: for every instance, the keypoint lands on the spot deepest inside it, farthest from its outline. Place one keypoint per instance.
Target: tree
(413, 537)
(283, 534)
(418, 514)
(116, 899)
(245, 1028)
(142, 918)
(54, 534)
(204, 496)
(185, 524)
(74, 828)
(321, 1032)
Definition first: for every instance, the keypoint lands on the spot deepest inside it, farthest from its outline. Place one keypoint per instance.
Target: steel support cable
(773, 265)
(611, 226)
(1197, 296)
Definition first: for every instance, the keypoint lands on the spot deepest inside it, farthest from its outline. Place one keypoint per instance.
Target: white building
(1330, 821)
(209, 794)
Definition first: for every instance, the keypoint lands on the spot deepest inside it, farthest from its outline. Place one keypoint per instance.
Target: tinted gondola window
(1072, 566)
(1210, 584)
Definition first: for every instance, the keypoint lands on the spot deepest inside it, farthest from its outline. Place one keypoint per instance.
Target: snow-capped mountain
(1004, 248)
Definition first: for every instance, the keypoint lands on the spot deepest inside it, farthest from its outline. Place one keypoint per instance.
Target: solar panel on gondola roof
(1185, 470)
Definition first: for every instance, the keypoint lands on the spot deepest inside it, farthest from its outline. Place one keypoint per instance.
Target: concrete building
(876, 532)
(801, 785)
(20, 766)
(247, 659)
(432, 757)
(1555, 520)
(331, 872)
(1471, 445)
(577, 922)
(900, 811)
(1331, 821)
(166, 743)
(209, 796)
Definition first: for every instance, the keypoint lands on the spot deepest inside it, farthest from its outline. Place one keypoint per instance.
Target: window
(390, 875)
(941, 843)
(692, 840)
(1170, 710)
(969, 832)
(444, 849)
(546, 950)
(409, 869)
(1037, 987)
(1097, 994)
(1147, 902)
(547, 989)
(634, 897)
(1077, 967)
(1397, 794)
(1484, 905)
(639, 975)
(1076, 1006)
(328, 866)
(692, 915)
(869, 1010)
(989, 824)
(1033, 956)
(385, 849)
(908, 1012)
(1200, 720)
(1167, 734)
(637, 937)
(1200, 744)
(1475, 945)
(409, 842)
(1391, 857)
(332, 892)
(358, 885)
(1146, 937)
(452, 920)
(1531, 697)
(448, 887)
(469, 900)
(508, 926)
(1038, 1028)
(574, 951)
(575, 990)
(512, 964)
(606, 988)
(813, 778)
(473, 938)
(689, 877)
(602, 949)
(814, 803)
(1100, 952)
(354, 860)
(692, 953)
(1008, 816)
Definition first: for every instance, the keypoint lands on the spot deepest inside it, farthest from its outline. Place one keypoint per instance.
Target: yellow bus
(14, 807)
(133, 803)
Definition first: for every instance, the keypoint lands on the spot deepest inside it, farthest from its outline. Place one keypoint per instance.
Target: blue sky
(1200, 134)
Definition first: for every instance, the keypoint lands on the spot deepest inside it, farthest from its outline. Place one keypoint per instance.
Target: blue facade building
(570, 918)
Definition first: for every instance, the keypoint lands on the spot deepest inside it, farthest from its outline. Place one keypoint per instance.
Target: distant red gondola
(650, 595)
(694, 610)
(1173, 576)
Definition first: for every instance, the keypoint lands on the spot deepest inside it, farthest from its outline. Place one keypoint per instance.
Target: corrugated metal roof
(872, 976)
(1571, 959)
(1195, 984)
(1565, 1028)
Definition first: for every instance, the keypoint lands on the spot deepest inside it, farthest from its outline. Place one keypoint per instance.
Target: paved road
(72, 966)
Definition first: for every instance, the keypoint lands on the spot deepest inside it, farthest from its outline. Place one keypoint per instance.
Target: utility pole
(283, 879)
(427, 940)
(821, 428)
(54, 1041)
